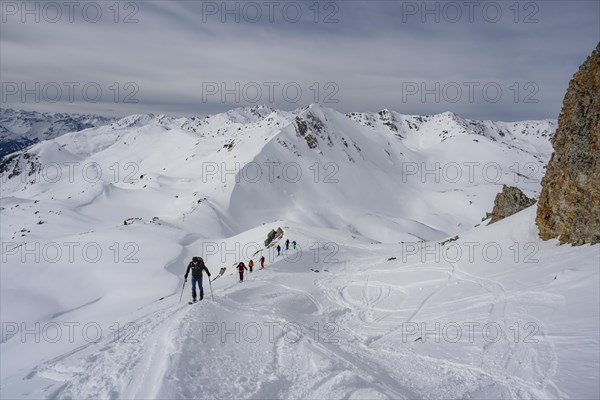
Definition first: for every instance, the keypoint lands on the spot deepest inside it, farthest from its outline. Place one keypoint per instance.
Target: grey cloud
(371, 54)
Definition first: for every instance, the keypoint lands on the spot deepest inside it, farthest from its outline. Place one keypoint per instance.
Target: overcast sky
(484, 60)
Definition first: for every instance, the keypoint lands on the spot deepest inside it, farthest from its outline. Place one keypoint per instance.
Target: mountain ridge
(215, 153)
(20, 129)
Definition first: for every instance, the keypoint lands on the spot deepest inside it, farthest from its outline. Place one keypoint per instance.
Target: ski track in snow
(499, 361)
(101, 369)
(354, 358)
(172, 359)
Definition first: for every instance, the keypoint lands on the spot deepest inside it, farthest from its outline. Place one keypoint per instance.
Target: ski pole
(211, 293)
(182, 290)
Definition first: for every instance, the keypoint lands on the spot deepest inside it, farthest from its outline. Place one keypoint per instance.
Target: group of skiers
(196, 266)
(241, 267)
(287, 246)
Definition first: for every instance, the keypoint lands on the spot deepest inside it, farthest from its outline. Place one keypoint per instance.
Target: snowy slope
(352, 329)
(264, 153)
(372, 186)
(19, 128)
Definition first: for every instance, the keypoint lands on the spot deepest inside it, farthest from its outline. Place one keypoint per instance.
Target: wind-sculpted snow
(98, 227)
(361, 326)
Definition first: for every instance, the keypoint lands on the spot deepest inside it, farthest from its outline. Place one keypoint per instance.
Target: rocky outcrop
(508, 202)
(569, 206)
(273, 235)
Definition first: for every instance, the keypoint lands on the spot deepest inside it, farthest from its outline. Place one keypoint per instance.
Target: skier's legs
(201, 288)
(194, 279)
(241, 276)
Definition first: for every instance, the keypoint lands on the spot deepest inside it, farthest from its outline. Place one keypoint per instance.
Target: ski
(221, 272)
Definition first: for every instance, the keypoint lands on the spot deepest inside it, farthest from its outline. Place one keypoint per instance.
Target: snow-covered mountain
(20, 129)
(387, 209)
(309, 155)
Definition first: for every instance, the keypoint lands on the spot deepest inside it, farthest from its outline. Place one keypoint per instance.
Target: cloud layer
(484, 60)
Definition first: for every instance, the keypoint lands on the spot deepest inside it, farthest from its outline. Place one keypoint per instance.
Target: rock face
(508, 202)
(273, 235)
(569, 206)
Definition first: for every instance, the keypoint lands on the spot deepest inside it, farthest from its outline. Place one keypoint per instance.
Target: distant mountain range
(20, 129)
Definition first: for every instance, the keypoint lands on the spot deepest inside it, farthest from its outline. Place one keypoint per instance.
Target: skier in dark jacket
(287, 244)
(241, 267)
(262, 262)
(196, 266)
(294, 244)
(278, 250)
